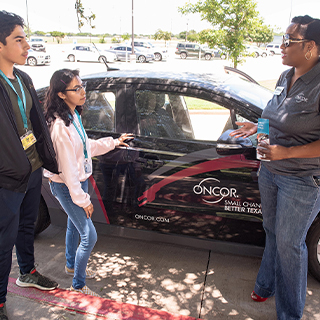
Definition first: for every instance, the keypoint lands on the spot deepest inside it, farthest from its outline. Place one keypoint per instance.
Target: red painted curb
(82, 303)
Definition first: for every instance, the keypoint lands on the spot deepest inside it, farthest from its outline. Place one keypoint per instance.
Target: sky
(115, 16)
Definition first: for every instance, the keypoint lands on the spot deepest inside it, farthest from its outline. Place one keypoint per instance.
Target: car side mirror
(228, 145)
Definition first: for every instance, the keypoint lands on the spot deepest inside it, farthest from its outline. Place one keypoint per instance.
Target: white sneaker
(85, 290)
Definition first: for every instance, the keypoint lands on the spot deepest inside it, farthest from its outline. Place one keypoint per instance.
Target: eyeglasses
(286, 40)
(78, 89)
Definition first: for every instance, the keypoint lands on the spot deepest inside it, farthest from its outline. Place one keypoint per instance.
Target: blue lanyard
(83, 137)
(21, 103)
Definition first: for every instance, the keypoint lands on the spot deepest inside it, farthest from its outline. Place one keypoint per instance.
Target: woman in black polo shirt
(289, 179)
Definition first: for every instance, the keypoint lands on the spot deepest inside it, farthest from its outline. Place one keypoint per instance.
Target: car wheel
(43, 219)
(207, 56)
(71, 58)
(142, 59)
(313, 244)
(157, 56)
(263, 55)
(272, 53)
(256, 55)
(223, 56)
(32, 61)
(183, 55)
(101, 58)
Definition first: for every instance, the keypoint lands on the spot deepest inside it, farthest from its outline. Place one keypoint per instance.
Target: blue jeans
(288, 209)
(77, 255)
(18, 213)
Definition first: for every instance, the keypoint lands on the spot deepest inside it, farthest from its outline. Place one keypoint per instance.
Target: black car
(183, 179)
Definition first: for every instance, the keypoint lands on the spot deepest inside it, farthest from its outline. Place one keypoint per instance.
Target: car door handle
(229, 146)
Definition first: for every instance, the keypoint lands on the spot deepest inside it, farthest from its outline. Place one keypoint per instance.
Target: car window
(176, 116)
(98, 112)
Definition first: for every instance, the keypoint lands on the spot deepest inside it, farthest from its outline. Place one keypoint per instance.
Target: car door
(184, 176)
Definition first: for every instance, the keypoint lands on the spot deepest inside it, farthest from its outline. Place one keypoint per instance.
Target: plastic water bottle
(263, 135)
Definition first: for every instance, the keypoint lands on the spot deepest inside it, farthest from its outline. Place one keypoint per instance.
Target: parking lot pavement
(159, 276)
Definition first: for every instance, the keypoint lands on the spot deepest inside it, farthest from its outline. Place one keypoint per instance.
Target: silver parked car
(123, 53)
(89, 53)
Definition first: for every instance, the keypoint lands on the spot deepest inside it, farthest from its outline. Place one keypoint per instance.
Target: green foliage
(182, 35)
(82, 18)
(115, 40)
(231, 21)
(260, 33)
(39, 33)
(165, 35)
(57, 35)
(125, 36)
(101, 39)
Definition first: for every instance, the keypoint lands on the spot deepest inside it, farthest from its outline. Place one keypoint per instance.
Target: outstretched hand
(247, 129)
(124, 137)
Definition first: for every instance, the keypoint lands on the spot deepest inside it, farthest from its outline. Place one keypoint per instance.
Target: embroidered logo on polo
(301, 98)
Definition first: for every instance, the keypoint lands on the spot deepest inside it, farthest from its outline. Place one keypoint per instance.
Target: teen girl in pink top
(74, 151)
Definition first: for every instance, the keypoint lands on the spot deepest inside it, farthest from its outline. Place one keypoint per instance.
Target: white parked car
(36, 58)
(255, 52)
(38, 44)
(273, 48)
(89, 53)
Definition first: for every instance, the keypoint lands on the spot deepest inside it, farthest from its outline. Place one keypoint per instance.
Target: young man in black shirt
(25, 147)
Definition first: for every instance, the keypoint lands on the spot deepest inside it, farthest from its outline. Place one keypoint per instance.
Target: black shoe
(3, 312)
(36, 280)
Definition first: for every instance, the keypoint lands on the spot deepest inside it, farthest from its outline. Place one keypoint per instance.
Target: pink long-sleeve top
(70, 157)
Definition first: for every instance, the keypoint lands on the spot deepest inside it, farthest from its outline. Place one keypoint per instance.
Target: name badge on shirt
(278, 91)
(87, 166)
(28, 140)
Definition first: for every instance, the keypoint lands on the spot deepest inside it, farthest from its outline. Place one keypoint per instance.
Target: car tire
(142, 59)
(32, 61)
(71, 58)
(313, 244)
(272, 53)
(255, 54)
(183, 55)
(207, 56)
(157, 56)
(43, 219)
(223, 56)
(263, 55)
(101, 58)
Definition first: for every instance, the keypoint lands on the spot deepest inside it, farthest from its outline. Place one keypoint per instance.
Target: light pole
(132, 29)
(28, 20)
(132, 56)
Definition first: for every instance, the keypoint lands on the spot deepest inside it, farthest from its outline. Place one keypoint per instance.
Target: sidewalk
(165, 278)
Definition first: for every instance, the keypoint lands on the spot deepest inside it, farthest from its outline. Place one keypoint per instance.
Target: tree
(82, 18)
(125, 36)
(260, 34)
(39, 33)
(58, 35)
(165, 35)
(231, 20)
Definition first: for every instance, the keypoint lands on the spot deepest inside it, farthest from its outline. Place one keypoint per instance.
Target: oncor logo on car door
(208, 187)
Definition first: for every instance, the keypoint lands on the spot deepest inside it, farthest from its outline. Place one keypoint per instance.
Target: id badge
(278, 91)
(87, 166)
(28, 139)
